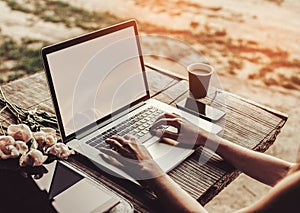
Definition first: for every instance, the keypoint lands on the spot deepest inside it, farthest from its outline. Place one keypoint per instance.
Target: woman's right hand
(187, 135)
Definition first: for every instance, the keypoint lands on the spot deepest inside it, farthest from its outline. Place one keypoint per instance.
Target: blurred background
(254, 46)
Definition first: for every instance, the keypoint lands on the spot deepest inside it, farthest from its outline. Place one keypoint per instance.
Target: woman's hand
(134, 159)
(131, 157)
(187, 135)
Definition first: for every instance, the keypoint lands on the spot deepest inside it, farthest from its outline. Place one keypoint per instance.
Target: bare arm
(135, 160)
(284, 197)
(173, 196)
(262, 167)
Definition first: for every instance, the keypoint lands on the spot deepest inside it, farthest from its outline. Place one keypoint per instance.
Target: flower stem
(35, 118)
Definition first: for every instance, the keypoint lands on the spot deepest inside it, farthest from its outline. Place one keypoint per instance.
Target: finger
(177, 143)
(127, 149)
(110, 152)
(166, 134)
(116, 158)
(107, 156)
(124, 142)
(175, 115)
(111, 141)
(169, 141)
(115, 144)
(111, 161)
(166, 121)
(167, 115)
(130, 138)
(119, 139)
(164, 116)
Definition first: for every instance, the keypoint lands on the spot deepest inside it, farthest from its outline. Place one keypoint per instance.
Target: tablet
(71, 191)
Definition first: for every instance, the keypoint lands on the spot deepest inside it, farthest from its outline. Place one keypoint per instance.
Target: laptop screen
(95, 75)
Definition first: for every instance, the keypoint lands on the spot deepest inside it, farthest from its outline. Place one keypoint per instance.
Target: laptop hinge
(80, 135)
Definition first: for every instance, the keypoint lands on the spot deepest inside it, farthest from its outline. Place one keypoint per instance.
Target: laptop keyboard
(137, 126)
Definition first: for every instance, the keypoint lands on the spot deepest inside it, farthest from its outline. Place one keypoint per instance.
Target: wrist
(203, 136)
(151, 169)
(155, 182)
(149, 173)
(207, 139)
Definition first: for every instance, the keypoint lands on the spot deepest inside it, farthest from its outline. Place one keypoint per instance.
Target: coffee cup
(199, 79)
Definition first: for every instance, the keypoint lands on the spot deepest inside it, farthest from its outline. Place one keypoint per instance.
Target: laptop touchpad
(158, 150)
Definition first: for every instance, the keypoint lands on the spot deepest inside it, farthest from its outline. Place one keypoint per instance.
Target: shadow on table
(19, 192)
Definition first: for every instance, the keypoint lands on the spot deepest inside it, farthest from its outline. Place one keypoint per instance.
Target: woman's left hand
(131, 157)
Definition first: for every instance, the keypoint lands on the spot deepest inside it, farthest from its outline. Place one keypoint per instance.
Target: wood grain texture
(203, 174)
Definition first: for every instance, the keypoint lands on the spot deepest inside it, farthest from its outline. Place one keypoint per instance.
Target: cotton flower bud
(7, 148)
(22, 147)
(20, 132)
(33, 158)
(45, 138)
(60, 150)
(14, 153)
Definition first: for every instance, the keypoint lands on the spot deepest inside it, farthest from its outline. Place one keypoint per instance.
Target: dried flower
(45, 138)
(20, 132)
(40, 138)
(6, 140)
(33, 158)
(21, 147)
(7, 148)
(14, 153)
(60, 150)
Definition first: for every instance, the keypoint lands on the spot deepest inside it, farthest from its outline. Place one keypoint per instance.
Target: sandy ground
(264, 23)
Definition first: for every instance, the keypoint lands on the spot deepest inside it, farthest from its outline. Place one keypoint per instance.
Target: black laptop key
(137, 126)
(102, 145)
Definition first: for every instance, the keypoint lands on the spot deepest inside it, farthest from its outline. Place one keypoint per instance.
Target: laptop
(99, 88)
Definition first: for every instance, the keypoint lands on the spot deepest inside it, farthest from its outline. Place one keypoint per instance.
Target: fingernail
(159, 133)
(102, 155)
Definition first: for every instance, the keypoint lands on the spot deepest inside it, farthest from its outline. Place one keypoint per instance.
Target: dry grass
(236, 52)
(22, 58)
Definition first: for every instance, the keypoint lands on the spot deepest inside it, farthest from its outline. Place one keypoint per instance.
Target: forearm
(172, 196)
(262, 167)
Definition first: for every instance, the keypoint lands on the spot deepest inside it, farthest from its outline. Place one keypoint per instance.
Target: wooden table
(246, 123)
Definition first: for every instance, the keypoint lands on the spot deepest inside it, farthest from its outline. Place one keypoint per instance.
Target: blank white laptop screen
(97, 77)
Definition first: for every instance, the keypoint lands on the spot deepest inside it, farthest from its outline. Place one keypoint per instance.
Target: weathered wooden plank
(249, 125)
(172, 93)
(158, 82)
(27, 92)
(245, 123)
